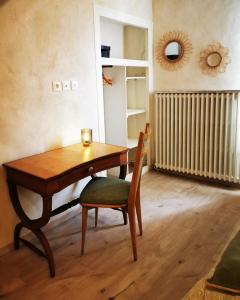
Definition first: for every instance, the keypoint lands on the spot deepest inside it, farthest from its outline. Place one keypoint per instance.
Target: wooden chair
(107, 192)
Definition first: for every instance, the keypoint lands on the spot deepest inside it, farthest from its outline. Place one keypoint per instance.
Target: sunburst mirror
(173, 50)
(214, 59)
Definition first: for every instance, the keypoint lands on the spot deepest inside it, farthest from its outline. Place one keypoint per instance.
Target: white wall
(112, 35)
(41, 41)
(204, 21)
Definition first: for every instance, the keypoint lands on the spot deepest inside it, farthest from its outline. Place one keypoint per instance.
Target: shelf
(132, 143)
(135, 111)
(108, 61)
(136, 78)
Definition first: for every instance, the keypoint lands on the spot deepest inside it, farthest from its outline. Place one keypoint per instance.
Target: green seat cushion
(227, 272)
(105, 190)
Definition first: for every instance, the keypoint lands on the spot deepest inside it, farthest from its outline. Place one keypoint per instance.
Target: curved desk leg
(33, 225)
(17, 232)
(49, 255)
(123, 171)
(122, 175)
(44, 242)
(125, 219)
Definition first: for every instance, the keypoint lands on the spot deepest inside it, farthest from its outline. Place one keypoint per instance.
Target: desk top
(58, 161)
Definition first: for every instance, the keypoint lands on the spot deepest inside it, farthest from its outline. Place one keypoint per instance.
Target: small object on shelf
(105, 51)
(86, 136)
(106, 80)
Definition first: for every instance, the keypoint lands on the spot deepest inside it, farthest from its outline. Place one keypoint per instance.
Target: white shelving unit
(136, 77)
(132, 143)
(124, 105)
(105, 61)
(135, 111)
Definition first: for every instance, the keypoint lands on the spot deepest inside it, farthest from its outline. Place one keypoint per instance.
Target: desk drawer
(89, 169)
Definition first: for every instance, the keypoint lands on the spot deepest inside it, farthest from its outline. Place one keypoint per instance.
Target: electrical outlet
(74, 85)
(66, 85)
(56, 86)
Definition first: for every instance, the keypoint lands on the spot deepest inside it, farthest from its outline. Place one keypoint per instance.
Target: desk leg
(123, 171)
(122, 175)
(33, 225)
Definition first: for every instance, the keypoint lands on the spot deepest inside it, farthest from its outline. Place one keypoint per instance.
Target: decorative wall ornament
(214, 59)
(173, 50)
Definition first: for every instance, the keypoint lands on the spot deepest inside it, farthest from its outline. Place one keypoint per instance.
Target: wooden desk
(49, 173)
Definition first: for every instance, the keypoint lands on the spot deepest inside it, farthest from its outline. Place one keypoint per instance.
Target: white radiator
(198, 133)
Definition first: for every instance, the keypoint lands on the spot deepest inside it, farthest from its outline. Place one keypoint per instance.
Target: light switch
(66, 85)
(57, 86)
(74, 85)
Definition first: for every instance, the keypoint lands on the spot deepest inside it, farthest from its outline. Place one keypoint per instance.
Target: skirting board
(199, 178)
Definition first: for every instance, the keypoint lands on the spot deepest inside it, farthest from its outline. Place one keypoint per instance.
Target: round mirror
(214, 59)
(173, 50)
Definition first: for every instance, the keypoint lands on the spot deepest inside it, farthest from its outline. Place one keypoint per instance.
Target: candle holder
(86, 136)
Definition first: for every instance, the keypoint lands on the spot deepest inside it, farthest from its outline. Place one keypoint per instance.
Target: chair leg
(84, 226)
(138, 211)
(124, 216)
(132, 224)
(96, 217)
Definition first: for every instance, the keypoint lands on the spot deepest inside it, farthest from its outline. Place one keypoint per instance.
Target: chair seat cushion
(105, 190)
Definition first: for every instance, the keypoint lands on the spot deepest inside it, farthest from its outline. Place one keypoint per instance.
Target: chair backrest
(142, 148)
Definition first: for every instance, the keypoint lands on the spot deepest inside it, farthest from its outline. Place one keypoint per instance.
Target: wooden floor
(186, 226)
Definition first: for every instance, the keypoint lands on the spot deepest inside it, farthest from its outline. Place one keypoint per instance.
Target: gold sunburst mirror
(173, 50)
(214, 59)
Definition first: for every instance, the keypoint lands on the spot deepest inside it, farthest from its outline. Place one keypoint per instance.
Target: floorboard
(186, 227)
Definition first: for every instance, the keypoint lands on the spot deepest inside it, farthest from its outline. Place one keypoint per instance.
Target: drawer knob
(90, 169)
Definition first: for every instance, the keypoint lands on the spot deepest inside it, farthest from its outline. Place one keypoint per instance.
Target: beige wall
(41, 41)
(204, 21)
(137, 8)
